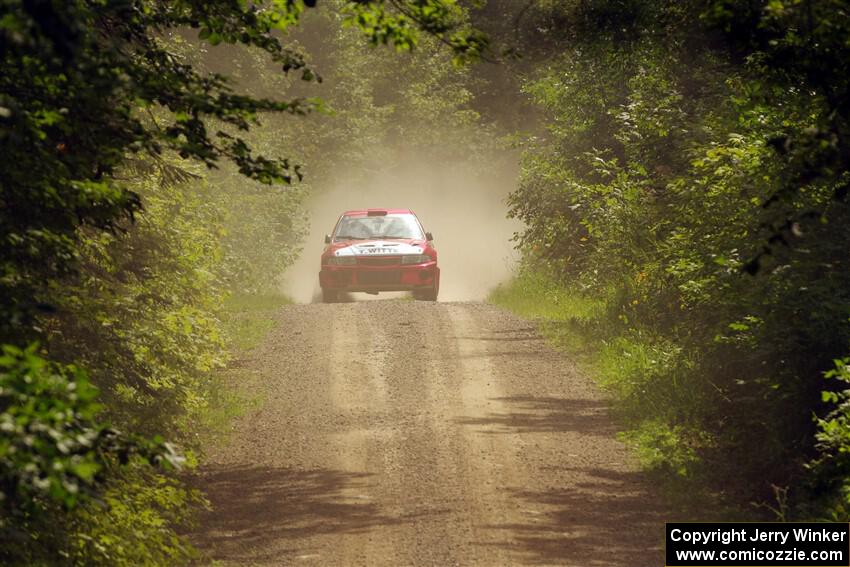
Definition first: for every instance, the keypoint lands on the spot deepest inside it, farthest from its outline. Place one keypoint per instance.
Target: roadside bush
(134, 522)
(56, 456)
(689, 178)
(117, 250)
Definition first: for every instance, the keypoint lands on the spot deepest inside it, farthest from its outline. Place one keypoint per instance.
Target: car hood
(378, 247)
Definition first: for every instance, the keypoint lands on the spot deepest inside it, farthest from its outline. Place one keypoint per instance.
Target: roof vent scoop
(376, 213)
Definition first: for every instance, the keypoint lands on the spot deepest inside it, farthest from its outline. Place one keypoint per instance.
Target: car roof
(365, 212)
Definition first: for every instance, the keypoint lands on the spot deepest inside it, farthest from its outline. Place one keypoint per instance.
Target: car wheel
(429, 294)
(330, 295)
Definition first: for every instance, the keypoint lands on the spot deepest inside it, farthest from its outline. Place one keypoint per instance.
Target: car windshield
(384, 226)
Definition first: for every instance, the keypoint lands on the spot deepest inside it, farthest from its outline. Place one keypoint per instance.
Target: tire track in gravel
(411, 433)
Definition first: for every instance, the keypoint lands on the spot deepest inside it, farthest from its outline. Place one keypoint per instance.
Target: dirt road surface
(410, 433)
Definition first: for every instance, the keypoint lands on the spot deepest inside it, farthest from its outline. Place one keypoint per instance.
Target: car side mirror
(327, 239)
(429, 237)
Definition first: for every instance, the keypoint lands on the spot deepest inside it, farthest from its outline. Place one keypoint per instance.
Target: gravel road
(410, 433)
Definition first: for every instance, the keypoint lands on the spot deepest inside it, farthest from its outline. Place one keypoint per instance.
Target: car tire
(429, 294)
(330, 295)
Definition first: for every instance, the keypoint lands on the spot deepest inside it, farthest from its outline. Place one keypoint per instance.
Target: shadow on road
(546, 415)
(604, 522)
(501, 338)
(599, 517)
(260, 513)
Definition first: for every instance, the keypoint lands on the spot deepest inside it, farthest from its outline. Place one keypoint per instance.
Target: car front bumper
(383, 278)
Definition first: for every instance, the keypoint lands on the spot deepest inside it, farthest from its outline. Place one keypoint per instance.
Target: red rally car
(374, 250)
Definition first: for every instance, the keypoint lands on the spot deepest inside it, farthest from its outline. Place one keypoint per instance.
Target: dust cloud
(463, 207)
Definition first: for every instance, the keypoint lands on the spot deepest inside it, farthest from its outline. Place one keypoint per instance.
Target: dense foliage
(684, 202)
(692, 178)
(118, 247)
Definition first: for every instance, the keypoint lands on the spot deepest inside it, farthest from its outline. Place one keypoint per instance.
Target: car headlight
(342, 260)
(415, 259)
